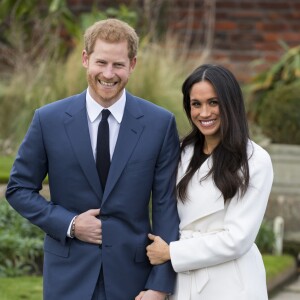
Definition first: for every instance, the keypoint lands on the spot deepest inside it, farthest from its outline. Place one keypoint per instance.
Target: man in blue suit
(96, 233)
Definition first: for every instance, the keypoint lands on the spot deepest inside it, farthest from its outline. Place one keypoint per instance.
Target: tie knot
(105, 114)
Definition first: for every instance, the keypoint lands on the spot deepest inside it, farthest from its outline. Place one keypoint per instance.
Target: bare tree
(152, 10)
(209, 27)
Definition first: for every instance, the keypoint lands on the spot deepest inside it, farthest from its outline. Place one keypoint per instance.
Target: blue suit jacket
(143, 167)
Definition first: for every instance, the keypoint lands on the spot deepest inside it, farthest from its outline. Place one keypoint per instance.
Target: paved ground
(289, 292)
(2, 190)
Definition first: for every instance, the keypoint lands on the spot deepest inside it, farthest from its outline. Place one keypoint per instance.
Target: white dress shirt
(114, 120)
(94, 117)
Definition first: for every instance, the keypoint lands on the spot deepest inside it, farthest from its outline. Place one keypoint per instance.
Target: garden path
(290, 291)
(2, 190)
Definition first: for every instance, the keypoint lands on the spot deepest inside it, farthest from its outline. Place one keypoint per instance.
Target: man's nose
(108, 72)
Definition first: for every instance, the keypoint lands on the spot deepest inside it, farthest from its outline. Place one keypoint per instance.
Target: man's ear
(85, 59)
(132, 64)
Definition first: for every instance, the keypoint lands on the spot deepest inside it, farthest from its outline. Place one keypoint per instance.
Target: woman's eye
(214, 102)
(195, 104)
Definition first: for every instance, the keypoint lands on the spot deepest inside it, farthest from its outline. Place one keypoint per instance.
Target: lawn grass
(277, 264)
(25, 288)
(6, 163)
(30, 288)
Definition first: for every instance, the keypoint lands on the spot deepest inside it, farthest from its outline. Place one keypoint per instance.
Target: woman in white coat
(223, 184)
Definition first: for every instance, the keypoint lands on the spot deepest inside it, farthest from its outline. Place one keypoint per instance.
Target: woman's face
(205, 112)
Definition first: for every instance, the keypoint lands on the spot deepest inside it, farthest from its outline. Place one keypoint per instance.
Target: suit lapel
(78, 132)
(129, 134)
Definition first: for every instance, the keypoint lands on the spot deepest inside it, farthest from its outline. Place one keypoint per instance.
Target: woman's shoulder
(258, 153)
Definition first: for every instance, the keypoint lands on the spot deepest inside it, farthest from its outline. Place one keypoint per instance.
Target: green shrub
(33, 47)
(21, 244)
(266, 102)
(31, 29)
(266, 238)
(280, 117)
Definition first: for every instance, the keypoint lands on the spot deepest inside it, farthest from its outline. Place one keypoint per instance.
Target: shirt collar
(94, 108)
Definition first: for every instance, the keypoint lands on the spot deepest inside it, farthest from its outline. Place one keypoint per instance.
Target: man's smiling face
(108, 70)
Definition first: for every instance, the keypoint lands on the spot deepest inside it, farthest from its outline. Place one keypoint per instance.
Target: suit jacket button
(104, 217)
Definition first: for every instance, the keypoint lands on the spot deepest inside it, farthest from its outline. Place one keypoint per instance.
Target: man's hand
(158, 252)
(151, 295)
(88, 228)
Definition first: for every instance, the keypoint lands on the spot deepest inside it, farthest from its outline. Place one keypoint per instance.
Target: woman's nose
(205, 111)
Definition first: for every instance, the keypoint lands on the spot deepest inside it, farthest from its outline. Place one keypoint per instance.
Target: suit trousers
(99, 292)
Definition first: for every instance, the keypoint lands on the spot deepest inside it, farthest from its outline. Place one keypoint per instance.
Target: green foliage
(121, 13)
(292, 247)
(280, 119)
(37, 71)
(285, 71)
(32, 88)
(158, 76)
(21, 244)
(264, 87)
(265, 239)
(33, 29)
(49, 76)
(34, 39)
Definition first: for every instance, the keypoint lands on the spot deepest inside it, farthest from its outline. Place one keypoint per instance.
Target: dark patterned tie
(102, 155)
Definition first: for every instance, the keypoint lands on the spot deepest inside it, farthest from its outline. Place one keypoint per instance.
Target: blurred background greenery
(41, 52)
(41, 44)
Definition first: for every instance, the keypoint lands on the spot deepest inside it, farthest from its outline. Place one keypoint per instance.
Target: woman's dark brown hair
(230, 170)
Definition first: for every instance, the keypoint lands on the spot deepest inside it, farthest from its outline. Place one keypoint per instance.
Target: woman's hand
(151, 295)
(159, 251)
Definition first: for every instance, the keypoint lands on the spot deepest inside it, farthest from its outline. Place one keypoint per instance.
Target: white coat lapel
(204, 198)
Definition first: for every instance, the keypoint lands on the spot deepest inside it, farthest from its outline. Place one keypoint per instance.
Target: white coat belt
(188, 234)
(199, 276)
